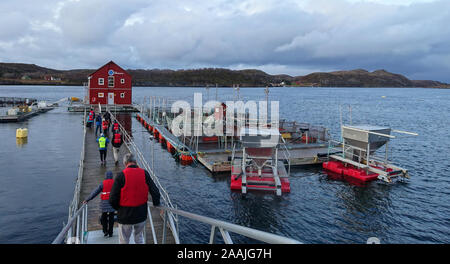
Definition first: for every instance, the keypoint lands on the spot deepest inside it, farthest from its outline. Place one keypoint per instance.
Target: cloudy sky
(296, 37)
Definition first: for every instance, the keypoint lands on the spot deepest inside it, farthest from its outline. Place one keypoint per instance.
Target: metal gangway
(76, 229)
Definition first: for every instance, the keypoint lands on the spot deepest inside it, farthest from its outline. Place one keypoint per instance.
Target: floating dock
(93, 173)
(219, 160)
(304, 144)
(23, 116)
(13, 101)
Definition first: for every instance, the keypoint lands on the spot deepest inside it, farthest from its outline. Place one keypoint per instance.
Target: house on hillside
(51, 78)
(110, 84)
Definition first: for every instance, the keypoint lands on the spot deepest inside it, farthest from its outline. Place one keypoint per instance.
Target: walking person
(103, 147)
(107, 218)
(105, 126)
(117, 140)
(107, 117)
(129, 196)
(115, 126)
(90, 119)
(98, 124)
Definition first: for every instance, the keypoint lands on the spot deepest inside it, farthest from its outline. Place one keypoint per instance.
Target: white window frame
(101, 81)
(122, 95)
(101, 95)
(122, 81)
(113, 81)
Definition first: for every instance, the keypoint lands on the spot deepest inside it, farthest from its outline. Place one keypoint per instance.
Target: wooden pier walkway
(94, 174)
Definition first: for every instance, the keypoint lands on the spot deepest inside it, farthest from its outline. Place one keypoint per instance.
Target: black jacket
(132, 215)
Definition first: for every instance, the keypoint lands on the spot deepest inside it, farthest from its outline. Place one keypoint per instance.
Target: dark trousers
(103, 154)
(97, 128)
(107, 221)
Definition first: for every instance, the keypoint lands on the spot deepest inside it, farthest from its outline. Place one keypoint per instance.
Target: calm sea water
(37, 177)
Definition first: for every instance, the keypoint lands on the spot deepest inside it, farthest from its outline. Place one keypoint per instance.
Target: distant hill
(19, 73)
(362, 78)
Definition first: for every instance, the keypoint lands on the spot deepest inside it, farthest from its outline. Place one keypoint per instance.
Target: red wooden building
(109, 85)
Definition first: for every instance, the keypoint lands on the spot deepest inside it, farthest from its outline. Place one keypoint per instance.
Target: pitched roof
(110, 62)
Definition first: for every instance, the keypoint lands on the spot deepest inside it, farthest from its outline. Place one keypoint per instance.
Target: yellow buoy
(22, 133)
(286, 135)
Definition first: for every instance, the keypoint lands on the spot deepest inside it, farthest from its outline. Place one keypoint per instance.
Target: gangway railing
(129, 143)
(286, 154)
(76, 195)
(225, 228)
(75, 231)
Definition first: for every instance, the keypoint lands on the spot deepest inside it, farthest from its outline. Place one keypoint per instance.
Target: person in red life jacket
(105, 126)
(115, 127)
(129, 196)
(90, 119)
(104, 189)
(117, 140)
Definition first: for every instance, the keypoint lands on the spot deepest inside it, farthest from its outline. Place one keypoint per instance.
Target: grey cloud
(294, 35)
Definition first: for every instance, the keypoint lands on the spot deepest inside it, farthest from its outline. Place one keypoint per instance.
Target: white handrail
(129, 143)
(226, 227)
(74, 224)
(74, 204)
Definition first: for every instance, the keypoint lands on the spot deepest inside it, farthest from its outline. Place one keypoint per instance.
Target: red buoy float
(334, 166)
(349, 172)
(186, 159)
(210, 139)
(170, 148)
(310, 139)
